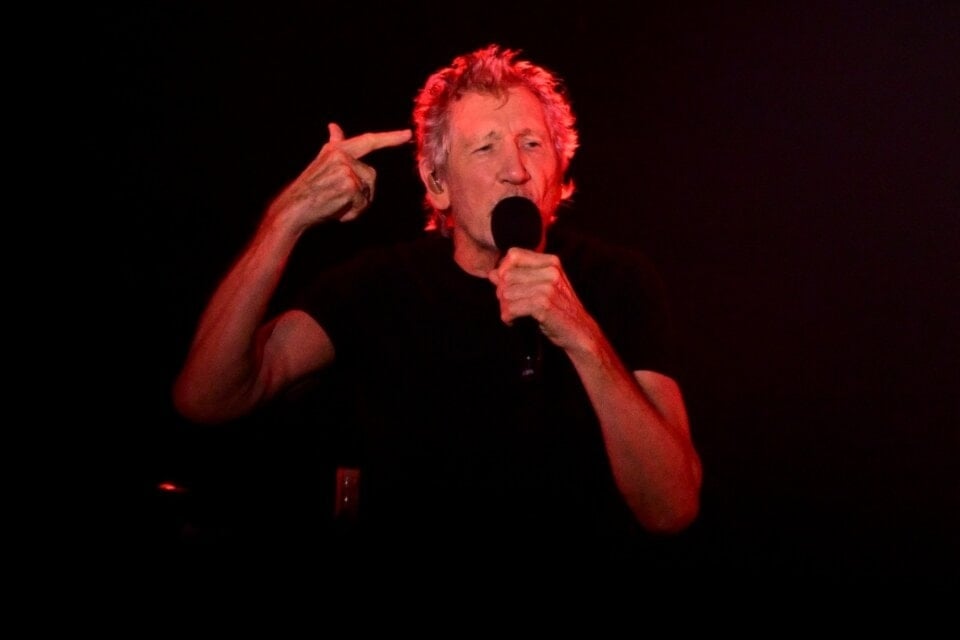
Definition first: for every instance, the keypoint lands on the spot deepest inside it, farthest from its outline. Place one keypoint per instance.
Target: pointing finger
(363, 144)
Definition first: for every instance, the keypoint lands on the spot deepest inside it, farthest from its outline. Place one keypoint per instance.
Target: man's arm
(642, 414)
(647, 436)
(236, 360)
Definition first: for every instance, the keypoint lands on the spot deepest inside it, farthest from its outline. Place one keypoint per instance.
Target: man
(455, 444)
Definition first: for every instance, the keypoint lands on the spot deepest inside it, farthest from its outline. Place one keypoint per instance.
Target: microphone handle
(530, 347)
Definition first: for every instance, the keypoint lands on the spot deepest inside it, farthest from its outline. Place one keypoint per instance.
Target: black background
(791, 168)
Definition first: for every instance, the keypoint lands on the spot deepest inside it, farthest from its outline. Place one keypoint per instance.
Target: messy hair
(491, 70)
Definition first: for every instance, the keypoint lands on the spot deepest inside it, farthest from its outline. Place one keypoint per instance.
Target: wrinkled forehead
(480, 115)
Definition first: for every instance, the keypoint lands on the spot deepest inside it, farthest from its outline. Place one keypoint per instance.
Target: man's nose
(514, 170)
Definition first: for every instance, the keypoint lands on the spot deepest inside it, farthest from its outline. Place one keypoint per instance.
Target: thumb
(336, 133)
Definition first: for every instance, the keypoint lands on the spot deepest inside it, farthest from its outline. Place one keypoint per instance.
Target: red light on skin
(170, 487)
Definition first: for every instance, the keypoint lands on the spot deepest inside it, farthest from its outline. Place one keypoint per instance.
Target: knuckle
(342, 173)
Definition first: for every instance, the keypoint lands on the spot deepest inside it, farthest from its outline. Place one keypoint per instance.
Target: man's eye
(532, 144)
(486, 147)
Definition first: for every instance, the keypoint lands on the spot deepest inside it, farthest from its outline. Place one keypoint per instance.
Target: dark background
(791, 168)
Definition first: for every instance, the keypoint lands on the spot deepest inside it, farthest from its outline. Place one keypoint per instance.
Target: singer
(461, 454)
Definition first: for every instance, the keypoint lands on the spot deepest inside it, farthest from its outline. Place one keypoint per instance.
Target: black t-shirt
(453, 444)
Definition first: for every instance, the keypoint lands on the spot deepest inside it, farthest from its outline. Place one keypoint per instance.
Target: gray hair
(491, 70)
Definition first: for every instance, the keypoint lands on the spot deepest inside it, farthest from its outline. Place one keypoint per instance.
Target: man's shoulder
(423, 245)
(396, 252)
(582, 249)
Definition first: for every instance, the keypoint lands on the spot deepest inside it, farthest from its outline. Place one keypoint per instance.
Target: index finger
(361, 145)
(526, 259)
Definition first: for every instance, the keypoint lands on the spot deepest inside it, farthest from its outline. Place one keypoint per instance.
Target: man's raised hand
(336, 185)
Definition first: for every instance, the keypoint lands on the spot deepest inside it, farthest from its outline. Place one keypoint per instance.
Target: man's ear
(436, 189)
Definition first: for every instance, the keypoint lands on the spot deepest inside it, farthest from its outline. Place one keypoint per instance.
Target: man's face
(497, 149)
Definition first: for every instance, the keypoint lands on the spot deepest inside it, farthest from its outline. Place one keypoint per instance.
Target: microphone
(516, 222)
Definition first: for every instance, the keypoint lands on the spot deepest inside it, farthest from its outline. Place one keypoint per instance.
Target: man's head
(495, 76)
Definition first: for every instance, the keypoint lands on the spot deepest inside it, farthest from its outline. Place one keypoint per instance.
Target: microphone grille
(516, 222)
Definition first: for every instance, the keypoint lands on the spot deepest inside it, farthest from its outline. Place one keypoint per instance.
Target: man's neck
(473, 258)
